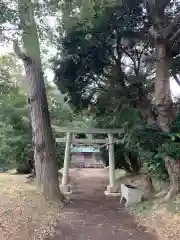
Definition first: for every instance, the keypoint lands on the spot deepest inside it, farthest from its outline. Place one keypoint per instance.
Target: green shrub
(171, 149)
(126, 159)
(60, 148)
(156, 167)
(24, 168)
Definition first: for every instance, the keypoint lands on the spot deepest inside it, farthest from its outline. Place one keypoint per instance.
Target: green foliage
(15, 148)
(89, 53)
(24, 168)
(119, 154)
(93, 74)
(171, 149)
(155, 145)
(15, 137)
(60, 149)
(124, 159)
(150, 143)
(156, 168)
(150, 138)
(15, 128)
(6, 14)
(126, 152)
(8, 17)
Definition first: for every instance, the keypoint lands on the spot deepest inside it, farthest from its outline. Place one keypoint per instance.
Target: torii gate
(70, 139)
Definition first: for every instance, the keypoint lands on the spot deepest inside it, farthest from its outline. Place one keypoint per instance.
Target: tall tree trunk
(166, 112)
(134, 162)
(173, 169)
(44, 145)
(162, 89)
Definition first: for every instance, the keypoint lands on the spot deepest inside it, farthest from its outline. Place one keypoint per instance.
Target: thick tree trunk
(148, 189)
(166, 113)
(162, 88)
(160, 32)
(134, 162)
(44, 145)
(173, 169)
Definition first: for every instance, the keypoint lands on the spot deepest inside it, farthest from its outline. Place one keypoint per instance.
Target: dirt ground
(91, 216)
(24, 213)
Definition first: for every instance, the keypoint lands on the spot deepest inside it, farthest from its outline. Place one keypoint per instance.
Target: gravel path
(91, 215)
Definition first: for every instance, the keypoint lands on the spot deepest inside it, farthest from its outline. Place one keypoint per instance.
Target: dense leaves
(91, 54)
(16, 139)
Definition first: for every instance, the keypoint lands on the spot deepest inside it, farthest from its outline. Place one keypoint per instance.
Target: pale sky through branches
(51, 51)
(175, 88)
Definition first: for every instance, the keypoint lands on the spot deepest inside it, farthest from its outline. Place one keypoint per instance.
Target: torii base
(66, 189)
(112, 191)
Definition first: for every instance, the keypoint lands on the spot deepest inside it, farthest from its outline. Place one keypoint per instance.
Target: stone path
(92, 216)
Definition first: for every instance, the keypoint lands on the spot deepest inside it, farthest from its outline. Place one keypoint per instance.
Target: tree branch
(20, 53)
(168, 31)
(155, 12)
(154, 34)
(96, 81)
(156, 5)
(176, 79)
(152, 4)
(129, 55)
(164, 3)
(156, 9)
(175, 36)
(174, 48)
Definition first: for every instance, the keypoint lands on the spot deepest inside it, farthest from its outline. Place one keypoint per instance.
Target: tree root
(31, 176)
(172, 193)
(173, 169)
(161, 194)
(167, 195)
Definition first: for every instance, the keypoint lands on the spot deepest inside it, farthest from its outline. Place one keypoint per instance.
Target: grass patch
(141, 208)
(5, 177)
(173, 206)
(119, 173)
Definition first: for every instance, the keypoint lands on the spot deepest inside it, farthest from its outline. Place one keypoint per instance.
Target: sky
(175, 88)
(9, 49)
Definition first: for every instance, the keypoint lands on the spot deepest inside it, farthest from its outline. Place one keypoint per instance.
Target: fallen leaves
(24, 213)
(163, 219)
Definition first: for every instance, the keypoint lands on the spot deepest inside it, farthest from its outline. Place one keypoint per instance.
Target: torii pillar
(65, 187)
(112, 189)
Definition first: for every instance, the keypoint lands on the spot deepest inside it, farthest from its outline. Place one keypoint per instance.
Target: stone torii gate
(71, 139)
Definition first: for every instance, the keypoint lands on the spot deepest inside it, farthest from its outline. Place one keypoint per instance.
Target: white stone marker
(131, 194)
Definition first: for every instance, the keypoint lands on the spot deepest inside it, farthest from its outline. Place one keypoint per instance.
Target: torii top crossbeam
(86, 130)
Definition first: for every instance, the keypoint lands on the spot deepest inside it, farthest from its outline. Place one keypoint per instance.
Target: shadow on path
(91, 215)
